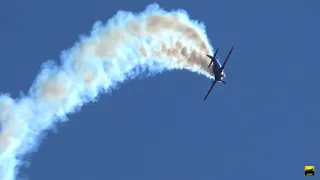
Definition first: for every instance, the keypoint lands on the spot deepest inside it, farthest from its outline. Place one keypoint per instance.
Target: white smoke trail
(128, 45)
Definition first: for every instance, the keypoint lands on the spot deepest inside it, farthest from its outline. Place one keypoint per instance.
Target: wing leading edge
(225, 62)
(213, 83)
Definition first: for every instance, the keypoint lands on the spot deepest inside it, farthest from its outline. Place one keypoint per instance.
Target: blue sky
(262, 125)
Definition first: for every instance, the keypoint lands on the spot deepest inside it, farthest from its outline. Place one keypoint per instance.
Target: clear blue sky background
(263, 124)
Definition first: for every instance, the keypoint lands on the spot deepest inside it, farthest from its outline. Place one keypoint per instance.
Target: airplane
(217, 69)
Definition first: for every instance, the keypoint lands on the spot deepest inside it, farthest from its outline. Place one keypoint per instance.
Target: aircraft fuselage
(217, 72)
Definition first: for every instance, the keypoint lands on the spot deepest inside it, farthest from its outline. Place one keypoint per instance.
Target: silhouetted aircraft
(217, 69)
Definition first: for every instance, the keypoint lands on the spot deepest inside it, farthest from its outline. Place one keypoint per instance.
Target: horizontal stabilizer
(214, 58)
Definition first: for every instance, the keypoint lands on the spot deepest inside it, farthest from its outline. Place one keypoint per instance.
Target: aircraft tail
(213, 58)
(210, 61)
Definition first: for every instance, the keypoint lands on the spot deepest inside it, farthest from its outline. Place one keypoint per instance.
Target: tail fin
(213, 58)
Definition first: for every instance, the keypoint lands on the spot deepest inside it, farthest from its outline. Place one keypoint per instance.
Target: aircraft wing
(225, 62)
(213, 58)
(213, 83)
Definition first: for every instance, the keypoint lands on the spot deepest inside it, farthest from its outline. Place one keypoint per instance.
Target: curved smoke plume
(126, 46)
